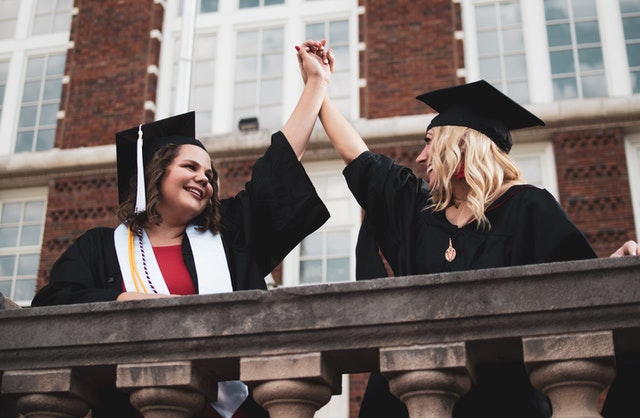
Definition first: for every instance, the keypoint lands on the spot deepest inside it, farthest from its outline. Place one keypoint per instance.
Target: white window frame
(537, 51)
(22, 195)
(632, 150)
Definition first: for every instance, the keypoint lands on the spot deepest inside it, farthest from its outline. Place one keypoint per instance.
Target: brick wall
(593, 183)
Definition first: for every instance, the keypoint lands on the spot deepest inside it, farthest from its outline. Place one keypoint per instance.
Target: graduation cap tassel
(141, 198)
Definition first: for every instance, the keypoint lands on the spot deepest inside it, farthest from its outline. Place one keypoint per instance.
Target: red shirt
(174, 271)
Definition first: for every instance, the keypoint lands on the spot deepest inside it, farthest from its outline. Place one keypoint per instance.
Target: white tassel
(141, 195)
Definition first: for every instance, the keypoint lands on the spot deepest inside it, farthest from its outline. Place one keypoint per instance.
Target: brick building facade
(112, 80)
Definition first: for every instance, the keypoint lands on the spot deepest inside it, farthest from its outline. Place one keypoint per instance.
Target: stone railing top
(490, 308)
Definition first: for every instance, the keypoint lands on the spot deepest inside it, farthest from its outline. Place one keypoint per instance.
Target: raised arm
(316, 71)
(343, 136)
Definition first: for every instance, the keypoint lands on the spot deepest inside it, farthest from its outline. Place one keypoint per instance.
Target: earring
(460, 174)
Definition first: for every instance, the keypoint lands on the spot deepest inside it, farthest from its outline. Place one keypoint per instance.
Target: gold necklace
(450, 252)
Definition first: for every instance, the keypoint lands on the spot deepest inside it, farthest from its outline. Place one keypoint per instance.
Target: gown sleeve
(277, 209)
(87, 271)
(392, 197)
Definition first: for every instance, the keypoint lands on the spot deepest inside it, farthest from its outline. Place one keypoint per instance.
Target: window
(327, 255)
(501, 51)
(575, 51)
(244, 64)
(630, 10)
(40, 103)
(21, 229)
(540, 51)
(259, 77)
(51, 16)
(244, 4)
(337, 35)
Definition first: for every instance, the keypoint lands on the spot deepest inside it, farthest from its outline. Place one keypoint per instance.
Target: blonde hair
(486, 169)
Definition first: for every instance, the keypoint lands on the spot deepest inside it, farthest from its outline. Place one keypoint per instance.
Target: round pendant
(450, 253)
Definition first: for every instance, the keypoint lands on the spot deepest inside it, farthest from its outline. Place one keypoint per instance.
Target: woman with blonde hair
(471, 211)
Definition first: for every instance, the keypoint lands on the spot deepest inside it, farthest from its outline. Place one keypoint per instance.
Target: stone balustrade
(566, 321)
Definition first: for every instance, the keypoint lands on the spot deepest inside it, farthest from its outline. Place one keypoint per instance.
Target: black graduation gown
(260, 225)
(527, 226)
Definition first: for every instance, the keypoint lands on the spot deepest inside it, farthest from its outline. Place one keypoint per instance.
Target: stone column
(571, 369)
(295, 385)
(49, 393)
(166, 390)
(429, 379)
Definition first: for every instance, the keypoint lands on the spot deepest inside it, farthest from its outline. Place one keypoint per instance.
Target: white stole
(213, 277)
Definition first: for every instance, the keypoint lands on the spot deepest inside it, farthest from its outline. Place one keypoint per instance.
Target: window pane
(559, 35)
(5, 287)
(310, 272)
(48, 114)
(590, 59)
(248, 3)
(594, 86)
(631, 27)
(512, 40)
(271, 92)
(33, 211)
(518, 91)
(629, 6)
(584, 8)
(315, 31)
(272, 40)
(24, 141)
(25, 289)
(272, 65)
(515, 66)
(587, 32)
(338, 270)
(246, 68)
(488, 43)
(8, 237)
(30, 235)
(35, 67)
(46, 139)
(562, 62)
(6, 266)
(311, 245)
(635, 81)
(510, 13)
(486, 16)
(272, 2)
(556, 9)
(11, 213)
(31, 92)
(339, 31)
(52, 89)
(245, 94)
(490, 68)
(247, 43)
(208, 6)
(338, 242)
(28, 264)
(565, 88)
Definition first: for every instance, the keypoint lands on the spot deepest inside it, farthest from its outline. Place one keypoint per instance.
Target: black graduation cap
(136, 146)
(482, 107)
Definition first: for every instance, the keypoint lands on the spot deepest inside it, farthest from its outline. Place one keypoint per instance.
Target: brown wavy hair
(155, 171)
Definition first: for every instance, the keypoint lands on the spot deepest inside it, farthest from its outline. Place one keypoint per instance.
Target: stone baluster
(295, 385)
(571, 369)
(49, 393)
(166, 390)
(429, 379)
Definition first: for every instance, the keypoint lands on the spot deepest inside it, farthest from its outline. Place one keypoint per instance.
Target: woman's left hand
(628, 248)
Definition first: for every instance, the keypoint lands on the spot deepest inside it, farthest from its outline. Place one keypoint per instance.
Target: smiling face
(186, 187)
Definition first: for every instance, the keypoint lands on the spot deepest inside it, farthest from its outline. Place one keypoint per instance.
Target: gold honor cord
(137, 280)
